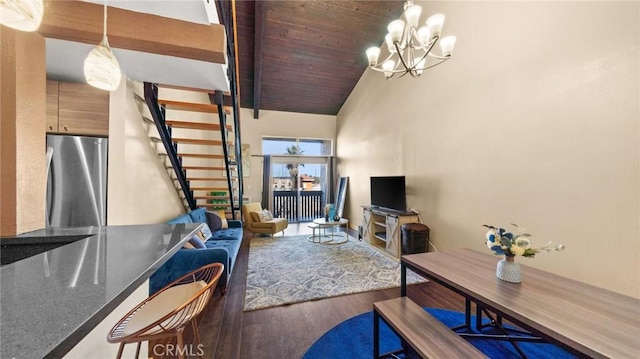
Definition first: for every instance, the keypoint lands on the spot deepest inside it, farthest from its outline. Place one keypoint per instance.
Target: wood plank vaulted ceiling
(306, 55)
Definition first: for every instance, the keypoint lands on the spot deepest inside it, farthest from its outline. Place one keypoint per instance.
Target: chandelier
(101, 67)
(409, 47)
(24, 15)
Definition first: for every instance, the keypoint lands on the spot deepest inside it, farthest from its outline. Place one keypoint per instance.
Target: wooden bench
(426, 335)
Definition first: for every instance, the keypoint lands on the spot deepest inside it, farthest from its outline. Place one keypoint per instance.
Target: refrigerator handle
(48, 192)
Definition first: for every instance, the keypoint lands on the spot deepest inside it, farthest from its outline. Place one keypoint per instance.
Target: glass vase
(508, 270)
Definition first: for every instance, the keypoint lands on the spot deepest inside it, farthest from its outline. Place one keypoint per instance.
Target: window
(317, 147)
(276, 146)
(309, 147)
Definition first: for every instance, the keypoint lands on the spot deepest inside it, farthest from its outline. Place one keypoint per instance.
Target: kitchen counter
(50, 301)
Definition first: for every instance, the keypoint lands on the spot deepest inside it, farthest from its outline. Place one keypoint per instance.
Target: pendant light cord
(104, 31)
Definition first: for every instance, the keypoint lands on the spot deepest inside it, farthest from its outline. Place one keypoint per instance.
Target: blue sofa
(221, 247)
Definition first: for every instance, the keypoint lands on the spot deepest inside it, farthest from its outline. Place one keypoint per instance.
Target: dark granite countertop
(50, 301)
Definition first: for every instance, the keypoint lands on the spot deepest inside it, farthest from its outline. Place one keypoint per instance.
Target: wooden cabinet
(381, 229)
(52, 106)
(77, 109)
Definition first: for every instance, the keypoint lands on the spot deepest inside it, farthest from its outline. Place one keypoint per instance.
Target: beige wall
(534, 121)
(139, 190)
(22, 131)
(278, 124)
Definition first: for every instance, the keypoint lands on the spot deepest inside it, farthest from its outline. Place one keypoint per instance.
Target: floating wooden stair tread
(209, 189)
(216, 179)
(195, 141)
(215, 205)
(200, 155)
(191, 89)
(191, 106)
(206, 168)
(195, 125)
(225, 197)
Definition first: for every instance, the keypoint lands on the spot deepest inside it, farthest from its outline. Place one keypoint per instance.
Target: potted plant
(510, 245)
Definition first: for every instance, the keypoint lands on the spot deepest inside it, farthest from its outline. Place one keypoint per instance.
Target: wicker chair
(166, 313)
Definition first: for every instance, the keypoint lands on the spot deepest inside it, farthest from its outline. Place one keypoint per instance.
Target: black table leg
(376, 335)
(403, 279)
(467, 313)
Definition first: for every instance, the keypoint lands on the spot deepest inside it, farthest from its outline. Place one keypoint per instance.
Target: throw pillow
(223, 217)
(205, 233)
(214, 221)
(255, 216)
(195, 243)
(267, 215)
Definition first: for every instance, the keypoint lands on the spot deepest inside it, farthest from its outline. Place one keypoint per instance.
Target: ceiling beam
(257, 56)
(81, 21)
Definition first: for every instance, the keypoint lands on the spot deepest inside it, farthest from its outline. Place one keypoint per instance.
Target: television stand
(381, 228)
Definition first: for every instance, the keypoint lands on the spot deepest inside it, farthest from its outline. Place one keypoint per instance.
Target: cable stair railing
(227, 12)
(200, 189)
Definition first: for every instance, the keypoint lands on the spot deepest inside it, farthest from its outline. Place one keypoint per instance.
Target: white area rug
(290, 269)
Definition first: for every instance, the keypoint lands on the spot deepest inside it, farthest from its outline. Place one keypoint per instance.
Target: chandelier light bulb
(372, 55)
(388, 68)
(424, 35)
(396, 28)
(447, 44)
(420, 67)
(434, 24)
(390, 47)
(412, 15)
(24, 15)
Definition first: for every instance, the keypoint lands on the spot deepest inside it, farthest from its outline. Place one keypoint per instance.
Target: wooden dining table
(586, 320)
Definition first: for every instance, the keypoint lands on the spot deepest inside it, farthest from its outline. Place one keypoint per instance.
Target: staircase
(201, 158)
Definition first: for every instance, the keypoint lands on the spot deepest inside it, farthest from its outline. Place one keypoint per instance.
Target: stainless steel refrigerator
(77, 181)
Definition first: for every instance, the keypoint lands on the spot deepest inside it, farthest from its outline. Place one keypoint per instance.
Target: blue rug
(353, 338)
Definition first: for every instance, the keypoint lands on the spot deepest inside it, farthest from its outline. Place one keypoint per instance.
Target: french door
(299, 187)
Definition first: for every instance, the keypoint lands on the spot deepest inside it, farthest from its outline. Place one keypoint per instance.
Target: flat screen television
(389, 193)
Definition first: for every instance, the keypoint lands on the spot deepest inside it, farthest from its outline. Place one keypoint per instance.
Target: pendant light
(24, 15)
(101, 68)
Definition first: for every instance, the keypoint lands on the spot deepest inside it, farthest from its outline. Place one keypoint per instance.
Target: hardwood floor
(288, 331)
